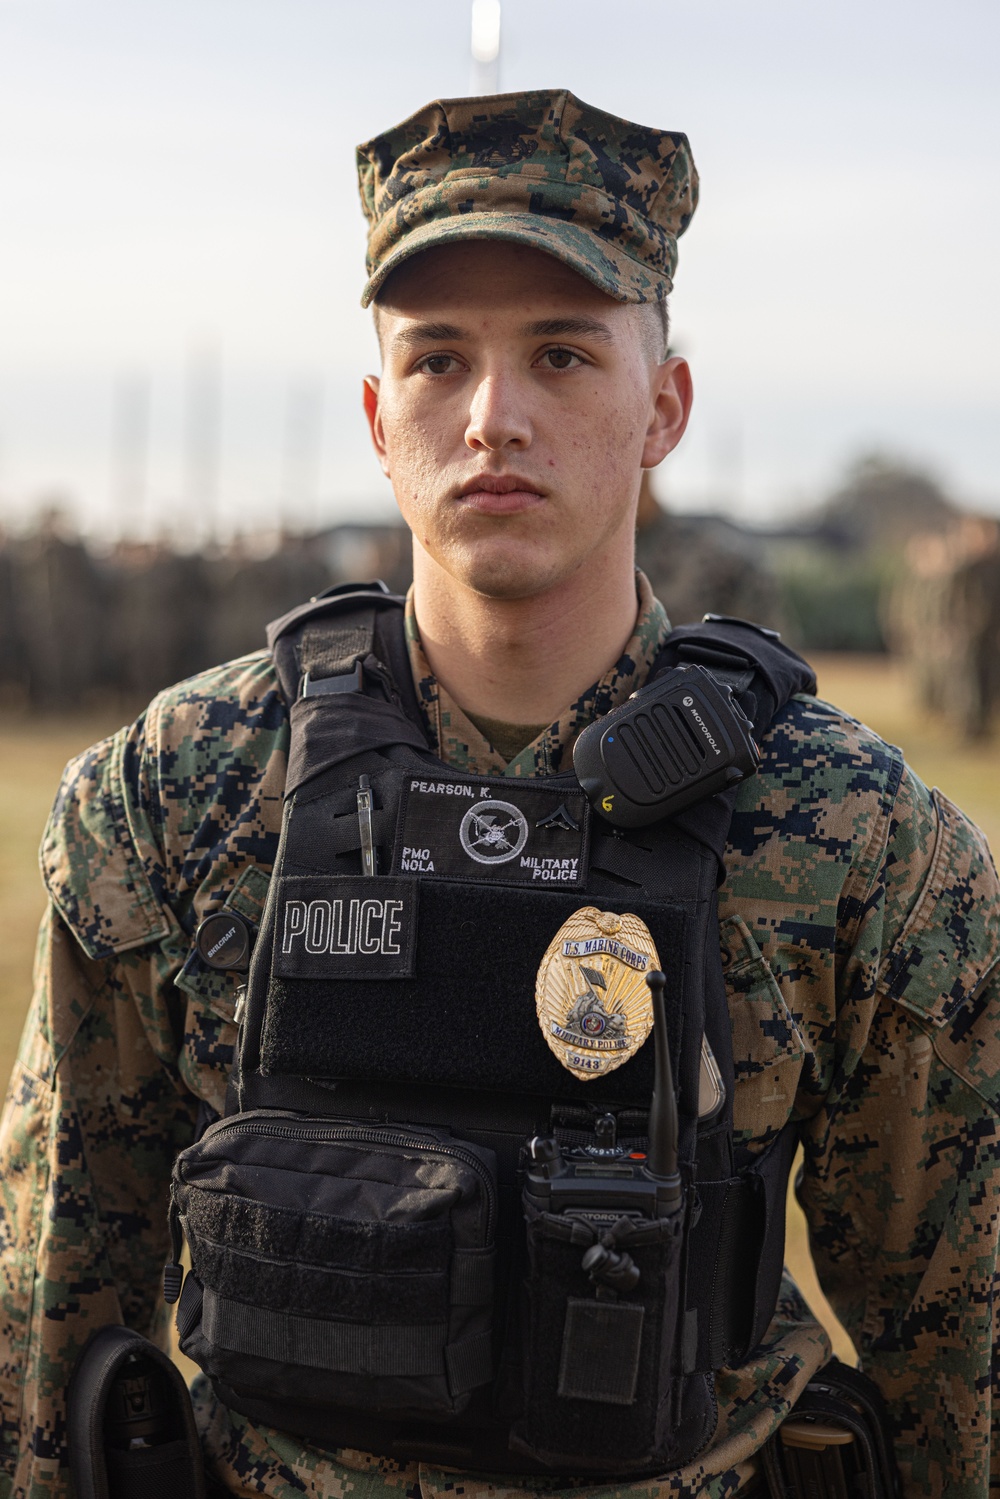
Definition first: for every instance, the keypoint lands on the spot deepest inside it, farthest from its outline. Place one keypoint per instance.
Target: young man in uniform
(521, 252)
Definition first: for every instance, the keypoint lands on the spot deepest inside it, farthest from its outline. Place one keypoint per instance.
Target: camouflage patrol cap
(541, 168)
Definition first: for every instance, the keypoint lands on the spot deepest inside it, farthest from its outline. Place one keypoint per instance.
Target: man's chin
(505, 580)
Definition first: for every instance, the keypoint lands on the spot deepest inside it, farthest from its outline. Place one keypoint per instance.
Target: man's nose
(499, 414)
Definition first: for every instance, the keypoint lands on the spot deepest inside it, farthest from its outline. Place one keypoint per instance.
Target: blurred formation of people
(133, 617)
(137, 616)
(944, 617)
(887, 562)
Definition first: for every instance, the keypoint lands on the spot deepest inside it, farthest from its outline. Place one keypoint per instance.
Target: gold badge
(593, 1003)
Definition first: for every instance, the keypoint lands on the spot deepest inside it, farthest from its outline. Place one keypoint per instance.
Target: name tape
(495, 830)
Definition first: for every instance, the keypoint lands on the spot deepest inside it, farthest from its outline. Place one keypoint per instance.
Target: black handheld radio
(603, 1183)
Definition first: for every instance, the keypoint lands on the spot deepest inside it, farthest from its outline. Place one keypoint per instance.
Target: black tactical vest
(371, 1265)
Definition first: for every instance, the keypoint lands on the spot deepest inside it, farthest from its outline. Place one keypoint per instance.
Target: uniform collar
(457, 741)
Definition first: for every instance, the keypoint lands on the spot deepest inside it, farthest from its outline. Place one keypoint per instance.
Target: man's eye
(560, 359)
(439, 364)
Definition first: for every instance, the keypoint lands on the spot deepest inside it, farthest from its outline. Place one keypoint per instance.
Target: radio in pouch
(604, 1229)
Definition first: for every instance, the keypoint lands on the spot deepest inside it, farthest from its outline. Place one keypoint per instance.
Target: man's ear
(670, 406)
(370, 398)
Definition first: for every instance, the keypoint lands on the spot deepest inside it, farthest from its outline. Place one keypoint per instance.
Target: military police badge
(593, 1003)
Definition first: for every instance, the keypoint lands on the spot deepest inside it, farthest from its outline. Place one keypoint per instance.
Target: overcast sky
(178, 215)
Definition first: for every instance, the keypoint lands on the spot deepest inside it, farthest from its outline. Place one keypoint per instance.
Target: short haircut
(656, 317)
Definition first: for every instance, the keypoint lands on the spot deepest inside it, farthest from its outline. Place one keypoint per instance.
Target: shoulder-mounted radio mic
(679, 739)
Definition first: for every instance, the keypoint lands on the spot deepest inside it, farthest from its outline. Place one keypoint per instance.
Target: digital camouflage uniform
(860, 929)
(860, 918)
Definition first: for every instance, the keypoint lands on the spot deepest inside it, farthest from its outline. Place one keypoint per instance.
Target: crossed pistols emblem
(593, 1003)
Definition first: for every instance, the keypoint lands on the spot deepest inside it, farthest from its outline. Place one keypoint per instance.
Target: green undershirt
(508, 739)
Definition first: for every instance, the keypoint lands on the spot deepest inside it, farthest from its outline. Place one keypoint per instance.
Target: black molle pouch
(601, 1367)
(338, 1263)
(596, 1371)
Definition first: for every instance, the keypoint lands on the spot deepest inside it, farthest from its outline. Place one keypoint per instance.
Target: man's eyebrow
(429, 333)
(563, 327)
(417, 334)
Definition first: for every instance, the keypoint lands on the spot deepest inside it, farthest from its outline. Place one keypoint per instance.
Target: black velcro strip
(602, 1341)
(349, 1348)
(334, 1292)
(275, 1232)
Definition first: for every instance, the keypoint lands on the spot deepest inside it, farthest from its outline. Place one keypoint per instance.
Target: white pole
(203, 439)
(130, 454)
(485, 46)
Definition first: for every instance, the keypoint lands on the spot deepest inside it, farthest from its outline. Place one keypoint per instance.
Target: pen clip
(368, 856)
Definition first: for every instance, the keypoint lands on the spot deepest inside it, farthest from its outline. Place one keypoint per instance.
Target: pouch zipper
(366, 1135)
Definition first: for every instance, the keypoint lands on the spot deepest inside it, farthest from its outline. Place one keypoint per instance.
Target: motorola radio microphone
(679, 739)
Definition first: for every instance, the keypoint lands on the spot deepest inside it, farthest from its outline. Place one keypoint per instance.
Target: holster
(835, 1443)
(125, 1390)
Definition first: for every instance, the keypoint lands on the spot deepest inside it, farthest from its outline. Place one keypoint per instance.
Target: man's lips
(499, 494)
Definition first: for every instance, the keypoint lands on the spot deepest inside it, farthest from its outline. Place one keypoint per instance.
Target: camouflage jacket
(860, 927)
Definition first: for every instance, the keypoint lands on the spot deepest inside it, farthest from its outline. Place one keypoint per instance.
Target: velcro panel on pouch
(602, 1341)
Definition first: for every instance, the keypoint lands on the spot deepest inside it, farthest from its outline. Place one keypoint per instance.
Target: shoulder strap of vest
(349, 640)
(346, 639)
(324, 645)
(762, 671)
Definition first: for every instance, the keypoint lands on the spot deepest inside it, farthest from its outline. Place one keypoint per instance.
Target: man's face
(516, 408)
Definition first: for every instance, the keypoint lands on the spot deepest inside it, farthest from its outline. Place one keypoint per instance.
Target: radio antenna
(661, 1161)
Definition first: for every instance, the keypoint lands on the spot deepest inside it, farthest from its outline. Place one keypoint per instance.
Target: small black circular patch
(223, 941)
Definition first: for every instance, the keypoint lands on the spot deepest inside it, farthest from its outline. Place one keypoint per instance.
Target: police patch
(345, 927)
(499, 830)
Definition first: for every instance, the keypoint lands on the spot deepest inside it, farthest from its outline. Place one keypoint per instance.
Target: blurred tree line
(838, 566)
(890, 562)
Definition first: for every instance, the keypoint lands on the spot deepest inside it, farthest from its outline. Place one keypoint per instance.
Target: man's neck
(522, 661)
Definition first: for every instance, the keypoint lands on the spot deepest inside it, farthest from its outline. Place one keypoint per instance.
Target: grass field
(34, 750)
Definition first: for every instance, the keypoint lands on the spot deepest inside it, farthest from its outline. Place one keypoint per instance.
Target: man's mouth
(499, 494)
